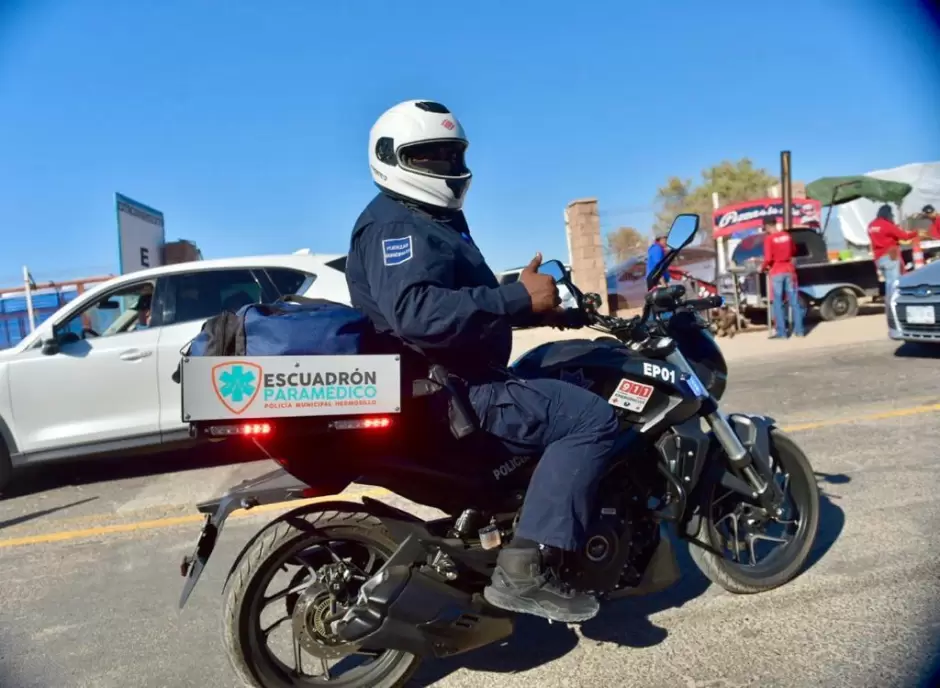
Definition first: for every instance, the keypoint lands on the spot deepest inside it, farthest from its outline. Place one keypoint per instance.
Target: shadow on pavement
(831, 518)
(930, 676)
(33, 479)
(536, 642)
(918, 350)
(625, 623)
(39, 514)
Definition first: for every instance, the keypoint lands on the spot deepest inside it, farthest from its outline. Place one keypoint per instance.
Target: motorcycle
(378, 584)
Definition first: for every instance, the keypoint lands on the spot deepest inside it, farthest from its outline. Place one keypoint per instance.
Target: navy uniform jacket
(422, 278)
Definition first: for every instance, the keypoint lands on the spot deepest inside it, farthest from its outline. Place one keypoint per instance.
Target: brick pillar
(586, 253)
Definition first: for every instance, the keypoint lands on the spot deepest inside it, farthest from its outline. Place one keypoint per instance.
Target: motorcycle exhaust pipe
(402, 608)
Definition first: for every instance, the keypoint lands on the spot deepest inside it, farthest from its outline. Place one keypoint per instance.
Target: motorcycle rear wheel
(785, 562)
(287, 537)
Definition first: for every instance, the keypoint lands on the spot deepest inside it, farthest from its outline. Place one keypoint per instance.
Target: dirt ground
(748, 343)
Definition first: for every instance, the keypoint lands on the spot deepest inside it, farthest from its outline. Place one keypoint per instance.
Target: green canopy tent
(832, 191)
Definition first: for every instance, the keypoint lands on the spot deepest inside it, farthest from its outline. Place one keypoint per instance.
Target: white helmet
(416, 150)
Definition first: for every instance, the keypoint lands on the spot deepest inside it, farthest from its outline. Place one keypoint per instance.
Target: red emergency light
(241, 430)
(363, 423)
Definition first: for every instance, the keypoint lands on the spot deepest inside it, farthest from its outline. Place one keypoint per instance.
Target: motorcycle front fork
(756, 470)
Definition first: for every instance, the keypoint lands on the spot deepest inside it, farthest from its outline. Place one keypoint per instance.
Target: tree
(733, 181)
(624, 243)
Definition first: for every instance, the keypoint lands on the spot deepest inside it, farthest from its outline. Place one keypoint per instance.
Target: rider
(416, 271)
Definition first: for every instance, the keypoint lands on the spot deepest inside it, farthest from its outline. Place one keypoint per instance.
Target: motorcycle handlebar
(665, 297)
(705, 304)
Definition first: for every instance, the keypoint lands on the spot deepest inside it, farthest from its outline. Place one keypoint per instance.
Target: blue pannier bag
(293, 326)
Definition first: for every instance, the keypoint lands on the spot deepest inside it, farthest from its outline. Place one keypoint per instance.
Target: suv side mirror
(50, 346)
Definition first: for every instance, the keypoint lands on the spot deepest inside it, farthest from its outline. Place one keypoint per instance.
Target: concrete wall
(583, 230)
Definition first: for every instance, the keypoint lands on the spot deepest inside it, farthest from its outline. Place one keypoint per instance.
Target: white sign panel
(234, 388)
(141, 235)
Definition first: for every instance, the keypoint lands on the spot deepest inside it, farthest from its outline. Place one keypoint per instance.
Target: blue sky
(247, 123)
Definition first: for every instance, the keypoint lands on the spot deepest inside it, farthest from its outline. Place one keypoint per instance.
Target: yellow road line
(136, 526)
(168, 522)
(884, 415)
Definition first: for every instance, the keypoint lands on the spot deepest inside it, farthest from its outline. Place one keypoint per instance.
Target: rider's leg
(577, 431)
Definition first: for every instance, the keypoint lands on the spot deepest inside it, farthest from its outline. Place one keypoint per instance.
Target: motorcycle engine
(615, 547)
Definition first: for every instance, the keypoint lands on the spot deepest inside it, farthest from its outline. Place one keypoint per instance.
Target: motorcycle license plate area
(921, 315)
(271, 387)
(274, 487)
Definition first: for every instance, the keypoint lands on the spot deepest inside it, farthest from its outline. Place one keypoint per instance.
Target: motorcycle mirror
(683, 230)
(555, 270)
(570, 296)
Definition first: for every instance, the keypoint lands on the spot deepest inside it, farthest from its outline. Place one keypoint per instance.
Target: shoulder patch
(397, 251)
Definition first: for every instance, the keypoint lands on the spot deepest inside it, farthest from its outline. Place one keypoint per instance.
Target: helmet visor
(436, 158)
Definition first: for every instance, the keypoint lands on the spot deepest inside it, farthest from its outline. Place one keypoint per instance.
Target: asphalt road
(89, 577)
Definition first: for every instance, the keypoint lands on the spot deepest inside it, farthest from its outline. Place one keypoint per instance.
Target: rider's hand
(565, 318)
(542, 288)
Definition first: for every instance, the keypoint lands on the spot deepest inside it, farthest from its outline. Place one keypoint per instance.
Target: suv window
(288, 281)
(201, 295)
(126, 309)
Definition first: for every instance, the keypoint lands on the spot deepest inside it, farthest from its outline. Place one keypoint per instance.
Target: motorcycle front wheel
(760, 551)
(326, 555)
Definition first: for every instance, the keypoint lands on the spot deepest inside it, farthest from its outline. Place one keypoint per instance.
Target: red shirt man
(779, 251)
(885, 236)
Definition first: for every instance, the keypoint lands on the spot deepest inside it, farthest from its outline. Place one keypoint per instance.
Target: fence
(46, 299)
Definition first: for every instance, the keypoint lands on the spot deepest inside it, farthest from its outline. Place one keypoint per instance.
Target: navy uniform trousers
(575, 431)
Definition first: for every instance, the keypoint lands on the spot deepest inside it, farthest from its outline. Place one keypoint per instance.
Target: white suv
(96, 377)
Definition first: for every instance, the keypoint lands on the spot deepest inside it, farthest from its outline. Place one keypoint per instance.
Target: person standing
(886, 238)
(779, 251)
(654, 256)
(931, 214)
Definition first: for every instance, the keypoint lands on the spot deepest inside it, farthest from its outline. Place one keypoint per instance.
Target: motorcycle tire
(735, 577)
(279, 537)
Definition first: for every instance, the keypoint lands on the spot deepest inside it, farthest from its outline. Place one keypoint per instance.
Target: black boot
(521, 583)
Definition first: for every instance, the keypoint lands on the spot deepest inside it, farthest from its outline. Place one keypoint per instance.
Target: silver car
(914, 310)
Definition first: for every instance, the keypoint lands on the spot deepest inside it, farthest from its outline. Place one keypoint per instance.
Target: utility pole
(29, 285)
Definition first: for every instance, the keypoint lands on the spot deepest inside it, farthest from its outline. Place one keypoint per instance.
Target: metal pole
(786, 188)
(28, 283)
(721, 261)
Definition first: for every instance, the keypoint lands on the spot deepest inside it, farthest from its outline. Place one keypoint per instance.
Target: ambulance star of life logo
(236, 384)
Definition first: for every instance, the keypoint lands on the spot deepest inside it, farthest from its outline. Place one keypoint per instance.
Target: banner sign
(742, 219)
